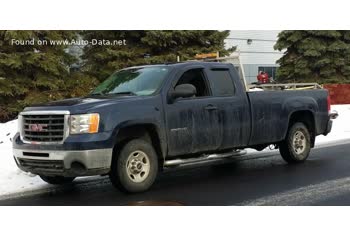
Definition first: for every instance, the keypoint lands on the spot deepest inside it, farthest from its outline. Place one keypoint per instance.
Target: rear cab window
(221, 82)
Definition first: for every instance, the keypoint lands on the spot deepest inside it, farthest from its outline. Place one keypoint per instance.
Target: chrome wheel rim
(299, 142)
(138, 166)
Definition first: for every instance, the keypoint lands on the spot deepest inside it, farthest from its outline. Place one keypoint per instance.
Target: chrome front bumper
(64, 163)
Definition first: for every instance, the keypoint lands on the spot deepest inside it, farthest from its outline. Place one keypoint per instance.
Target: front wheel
(135, 168)
(57, 180)
(297, 145)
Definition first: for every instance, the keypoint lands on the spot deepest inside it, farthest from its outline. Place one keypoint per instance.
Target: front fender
(143, 123)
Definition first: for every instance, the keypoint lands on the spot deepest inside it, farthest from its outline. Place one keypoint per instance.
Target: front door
(193, 123)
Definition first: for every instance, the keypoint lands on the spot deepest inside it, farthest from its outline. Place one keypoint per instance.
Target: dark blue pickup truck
(144, 119)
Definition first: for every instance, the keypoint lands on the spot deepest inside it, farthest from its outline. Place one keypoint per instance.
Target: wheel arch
(302, 109)
(308, 118)
(147, 131)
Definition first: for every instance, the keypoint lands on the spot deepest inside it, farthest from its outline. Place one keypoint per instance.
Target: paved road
(323, 180)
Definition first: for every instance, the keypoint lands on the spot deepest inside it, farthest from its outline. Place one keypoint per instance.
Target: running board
(204, 159)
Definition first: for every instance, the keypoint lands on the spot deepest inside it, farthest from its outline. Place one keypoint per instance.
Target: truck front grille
(43, 128)
(42, 165)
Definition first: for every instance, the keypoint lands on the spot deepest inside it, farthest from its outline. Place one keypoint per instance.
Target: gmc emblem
(38, 127)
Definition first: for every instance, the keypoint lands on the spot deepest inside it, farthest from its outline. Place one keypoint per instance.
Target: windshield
(136, 81)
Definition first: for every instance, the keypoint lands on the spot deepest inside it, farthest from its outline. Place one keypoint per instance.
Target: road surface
(324, 179)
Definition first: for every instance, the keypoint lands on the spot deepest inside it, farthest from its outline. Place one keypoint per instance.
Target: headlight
(84, 123)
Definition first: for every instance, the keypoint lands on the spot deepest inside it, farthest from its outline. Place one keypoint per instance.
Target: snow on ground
(13, 180)
(340, 128)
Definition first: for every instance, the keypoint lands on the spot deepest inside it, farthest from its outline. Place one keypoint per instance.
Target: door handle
(210, 107)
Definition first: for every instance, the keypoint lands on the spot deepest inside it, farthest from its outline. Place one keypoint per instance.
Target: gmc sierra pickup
(144, 119)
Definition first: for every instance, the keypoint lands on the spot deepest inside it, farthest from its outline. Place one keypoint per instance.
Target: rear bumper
(332, 115)
(43, 160)
(329, 127)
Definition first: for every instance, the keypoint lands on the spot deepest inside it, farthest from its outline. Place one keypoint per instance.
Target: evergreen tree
(29, 72)
(321, 56)
(33, 73)
(148, 47)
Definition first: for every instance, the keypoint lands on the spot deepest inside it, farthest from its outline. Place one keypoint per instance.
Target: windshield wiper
(96, 94)
(123, 93)
(112, 94)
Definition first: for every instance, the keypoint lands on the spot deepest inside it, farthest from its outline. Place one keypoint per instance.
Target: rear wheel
(57, 180)
(297, 145)
(135, 168)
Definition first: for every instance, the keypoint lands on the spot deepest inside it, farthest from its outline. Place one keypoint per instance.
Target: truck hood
(82, 105)
(73, 102)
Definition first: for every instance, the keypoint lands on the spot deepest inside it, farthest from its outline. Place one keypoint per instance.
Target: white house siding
(259, 53)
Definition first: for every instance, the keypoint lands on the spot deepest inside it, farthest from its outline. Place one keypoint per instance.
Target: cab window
(197, 79)
(222, 82)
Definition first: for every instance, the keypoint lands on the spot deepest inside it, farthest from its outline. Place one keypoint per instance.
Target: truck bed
(270, 111)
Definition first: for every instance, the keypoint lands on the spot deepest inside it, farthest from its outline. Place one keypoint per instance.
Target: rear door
(233, 107)
(193, 123)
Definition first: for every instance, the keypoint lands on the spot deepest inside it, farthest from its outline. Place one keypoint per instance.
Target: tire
(297, 145)
(135, 168)
(57, 180)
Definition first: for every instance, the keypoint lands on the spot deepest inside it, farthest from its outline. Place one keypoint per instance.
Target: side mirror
(184, 91)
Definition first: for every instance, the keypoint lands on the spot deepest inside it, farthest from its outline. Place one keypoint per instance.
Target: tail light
(329, 103)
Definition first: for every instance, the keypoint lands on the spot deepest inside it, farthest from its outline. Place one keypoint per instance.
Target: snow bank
(255, 89)
(341, 126)
(13, 180)
(7, 131)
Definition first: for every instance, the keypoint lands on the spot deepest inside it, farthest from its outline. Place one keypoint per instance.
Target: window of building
(223, 85)
(271, 71)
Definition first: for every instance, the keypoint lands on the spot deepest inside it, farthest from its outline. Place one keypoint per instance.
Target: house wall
(255, 48)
